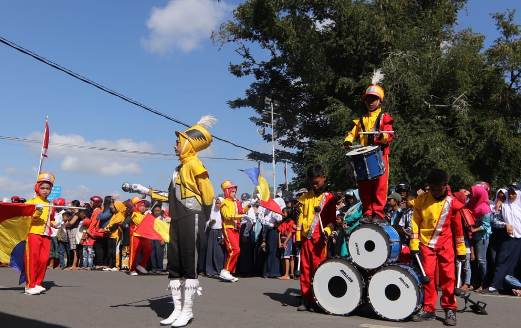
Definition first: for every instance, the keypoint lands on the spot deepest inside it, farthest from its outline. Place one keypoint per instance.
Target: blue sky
(157, 56)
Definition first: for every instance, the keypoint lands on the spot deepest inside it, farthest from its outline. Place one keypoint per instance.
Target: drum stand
(476, 307)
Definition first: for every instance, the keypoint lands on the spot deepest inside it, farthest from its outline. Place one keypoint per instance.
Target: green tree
(446, 94)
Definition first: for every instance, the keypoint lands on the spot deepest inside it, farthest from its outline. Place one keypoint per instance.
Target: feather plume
(378, 76)
(207, 121)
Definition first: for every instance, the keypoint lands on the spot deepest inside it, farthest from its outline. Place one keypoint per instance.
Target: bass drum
(338, 287)
(372, 245)
(395, 292)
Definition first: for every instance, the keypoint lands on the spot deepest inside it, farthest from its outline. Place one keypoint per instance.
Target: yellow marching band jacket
(309, 203)
(437, 223)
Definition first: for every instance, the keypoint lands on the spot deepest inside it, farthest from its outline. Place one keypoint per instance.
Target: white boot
(176, 287)
(191, 288)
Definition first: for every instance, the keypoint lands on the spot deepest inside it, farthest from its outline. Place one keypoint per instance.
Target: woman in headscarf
(509, 255)
(498, 235)
(481, 231)
(214, 232)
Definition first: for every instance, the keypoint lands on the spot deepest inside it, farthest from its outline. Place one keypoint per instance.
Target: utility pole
(269, 101)
(273, 150)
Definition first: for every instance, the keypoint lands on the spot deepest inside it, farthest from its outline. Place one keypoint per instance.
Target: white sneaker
(32, 291)
(141, 269)
(106, 269)
(114, 269)
(226, 275)
(40, 288)
(133, 273)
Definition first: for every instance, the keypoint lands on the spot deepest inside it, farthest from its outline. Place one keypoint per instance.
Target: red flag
(152, 228)
(45, 142)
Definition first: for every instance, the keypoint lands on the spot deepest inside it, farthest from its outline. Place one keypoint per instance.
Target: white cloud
(183, 24)
(94, 161)
(10, 187)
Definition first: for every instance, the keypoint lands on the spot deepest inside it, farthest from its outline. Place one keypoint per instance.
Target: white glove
(136, 187)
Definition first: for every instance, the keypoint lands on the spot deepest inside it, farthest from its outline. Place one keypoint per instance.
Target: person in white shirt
(214, 253)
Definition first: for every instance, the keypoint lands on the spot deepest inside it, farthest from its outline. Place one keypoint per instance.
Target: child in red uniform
(38, 244)
(286, 232)
(138, 244)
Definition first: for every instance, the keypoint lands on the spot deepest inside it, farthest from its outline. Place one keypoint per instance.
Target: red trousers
(37, 250)
(442, 260)
(312, 253)
(139, 245)
(231, 240)
(373, 193)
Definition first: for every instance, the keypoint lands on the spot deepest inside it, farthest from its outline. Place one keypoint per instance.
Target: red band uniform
(38, 244)
(231, 214)
(373, 193)
(138, 244)
(436, 226)
(314, 248)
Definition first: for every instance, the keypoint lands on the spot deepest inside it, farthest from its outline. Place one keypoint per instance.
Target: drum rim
(355, 152)
(362, 280)
(389, 248)
(419, 292)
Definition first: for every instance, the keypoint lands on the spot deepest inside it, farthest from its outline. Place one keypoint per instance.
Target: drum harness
(316, 218)
(370, 138)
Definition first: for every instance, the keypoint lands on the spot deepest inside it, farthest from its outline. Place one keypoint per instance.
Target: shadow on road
(161, 305)
(47, 284)
(290, 297)
(9, 320)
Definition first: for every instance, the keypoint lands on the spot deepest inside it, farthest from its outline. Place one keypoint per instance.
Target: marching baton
(458, 291)
(425, 278)
(64, 206)
(375, 132)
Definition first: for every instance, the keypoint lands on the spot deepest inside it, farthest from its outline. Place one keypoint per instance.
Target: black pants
(156, 258)
(111, 252)
(214, 253)
(100, 252)
(272, 263)
(508, 261)
(187, 241)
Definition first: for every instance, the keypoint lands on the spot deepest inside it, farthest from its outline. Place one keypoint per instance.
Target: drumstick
(425, 278)
(458, 291)
(375, 132)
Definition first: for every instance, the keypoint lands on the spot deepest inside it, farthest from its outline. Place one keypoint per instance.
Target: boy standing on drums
(373, 193)
(436, 223)
(316, 219)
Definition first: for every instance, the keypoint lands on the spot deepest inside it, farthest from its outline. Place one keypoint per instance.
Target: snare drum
(372, 246)
(395, 292)
(368, 162)
(338, 286)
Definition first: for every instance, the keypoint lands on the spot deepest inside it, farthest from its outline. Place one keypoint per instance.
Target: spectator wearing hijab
(481, 231)
(508, 258)
(214, 253)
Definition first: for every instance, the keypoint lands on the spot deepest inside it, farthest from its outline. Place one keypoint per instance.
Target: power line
(108, 90)
(117, 150)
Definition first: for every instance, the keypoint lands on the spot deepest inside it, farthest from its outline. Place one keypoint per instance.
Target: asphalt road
(114, 299)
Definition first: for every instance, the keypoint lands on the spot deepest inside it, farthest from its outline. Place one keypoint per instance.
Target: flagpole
(41, 149)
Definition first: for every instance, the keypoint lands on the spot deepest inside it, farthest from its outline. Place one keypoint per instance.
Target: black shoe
(423, 316)
(450, 318)
(379, 220)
